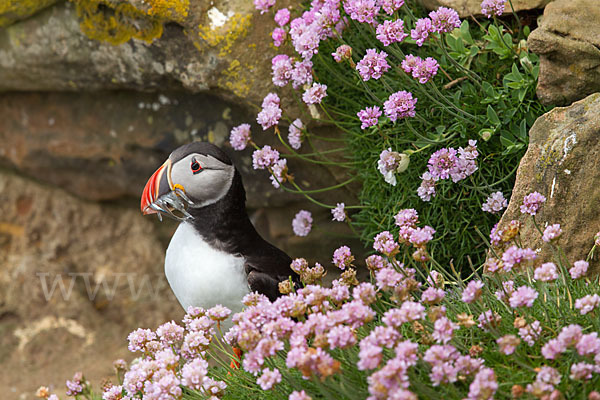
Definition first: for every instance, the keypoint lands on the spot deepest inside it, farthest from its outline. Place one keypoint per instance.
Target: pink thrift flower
(111, 393)
(444, 20)
(423, 28)
(342, 257)
(597, 239)
(365, 292)
(442, 163)
(278, 35)
(385, 244)
(443, 329)
(390, 6)
(587, 303)
(369, 116)
(343, 52)
(411, 311)
(375, 262)
(387, 278)
(269, 116)
(315, 94)
(279, 173)
(281, 66)
(295, 134)
(531, 333)
(589, 344)
(570, 335)
(263, 5)
(302, 73)
(508, 344)
(240, 137)
(472, 292)
(551, 233)
(489, 320)
(218, 313)
(432, 295)
(492, 7)
(410, 62)
(407, 217)
(373, 65)
(579, 269)
(495, 235)
(421, 236)
(338, 212)
(341, 337)
(508, 289)
(582, 371)
(546, 272)
(264, 158)
(75, 386)
(399, 105)
(269, 378)
(391, 32)
(427, 189)
(484, 385)
(302, 223)
(139, 338)
(515, 256)
(524, 296)
(295, 395)
(495, 203)
(170, 332)
(362, 10)
(424, 70)
(391, 162)
(282, 17)
(532, 203)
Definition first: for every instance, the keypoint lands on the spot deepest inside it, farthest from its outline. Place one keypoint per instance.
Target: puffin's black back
(225, 225)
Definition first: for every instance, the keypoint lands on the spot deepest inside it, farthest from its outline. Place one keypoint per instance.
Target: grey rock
(561, 164)
(568, 42)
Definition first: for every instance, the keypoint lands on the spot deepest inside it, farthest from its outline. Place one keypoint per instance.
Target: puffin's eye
(196, 167)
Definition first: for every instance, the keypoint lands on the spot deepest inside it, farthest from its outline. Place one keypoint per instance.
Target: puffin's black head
(199, 171)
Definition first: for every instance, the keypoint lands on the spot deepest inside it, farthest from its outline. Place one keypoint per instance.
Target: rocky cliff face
(83, 124)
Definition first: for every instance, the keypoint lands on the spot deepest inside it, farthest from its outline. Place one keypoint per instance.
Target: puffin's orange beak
(158, 184)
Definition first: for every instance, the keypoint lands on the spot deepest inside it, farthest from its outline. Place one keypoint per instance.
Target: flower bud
(285, 287)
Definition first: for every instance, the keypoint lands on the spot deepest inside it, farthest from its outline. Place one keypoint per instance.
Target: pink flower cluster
(422, 70)
(302, 223)
(391, 32)
(495, 203)
(369, 116)
(271, 113)
(448, 163)
(492, 7)
(172, 356)
(532, 203)
(373, 65)
(399, 105)
(240, 137)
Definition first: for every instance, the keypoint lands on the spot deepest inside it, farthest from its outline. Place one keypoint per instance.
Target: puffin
(215, 256)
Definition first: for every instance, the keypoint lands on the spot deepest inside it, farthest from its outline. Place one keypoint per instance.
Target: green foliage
(484, 90)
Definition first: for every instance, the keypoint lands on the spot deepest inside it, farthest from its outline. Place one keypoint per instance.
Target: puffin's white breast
(201, 275)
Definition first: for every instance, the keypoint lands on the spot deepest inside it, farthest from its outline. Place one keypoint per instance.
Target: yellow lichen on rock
(227, 35)
(235, 80)
(100, 21)
(14, 10)
(175, 10)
